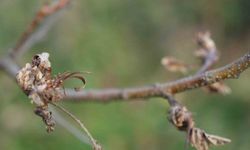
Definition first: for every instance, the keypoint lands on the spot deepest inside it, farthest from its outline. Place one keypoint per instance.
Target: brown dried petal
(197, 139)
(174, 65)
(200, 140)
(205, 42)
(59, 79)
(218, 87)
(217, 140)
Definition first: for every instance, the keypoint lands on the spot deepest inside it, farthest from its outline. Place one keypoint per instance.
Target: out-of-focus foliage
(122, 43)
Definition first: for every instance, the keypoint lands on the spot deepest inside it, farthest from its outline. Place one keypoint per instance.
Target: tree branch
(38, 27)
(9, 66)
(43, 21)
(230, 71)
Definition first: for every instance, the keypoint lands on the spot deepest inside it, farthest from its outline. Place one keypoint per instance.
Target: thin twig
(93, 141)
(210, 53)
(68, 126)
(38, 27)
(9, 66)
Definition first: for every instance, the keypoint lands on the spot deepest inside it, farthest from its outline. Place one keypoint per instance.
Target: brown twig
(61, 120)
(230, 71)
(38, 27)
(207, 51)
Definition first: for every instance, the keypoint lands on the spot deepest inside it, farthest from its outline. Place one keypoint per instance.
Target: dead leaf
(201, 140)
(218, 87)
(174, 65)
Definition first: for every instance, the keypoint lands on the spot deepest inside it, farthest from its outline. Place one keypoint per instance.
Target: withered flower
(36, 81)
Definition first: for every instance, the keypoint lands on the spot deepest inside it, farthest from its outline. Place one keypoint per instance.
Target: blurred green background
(122, 42)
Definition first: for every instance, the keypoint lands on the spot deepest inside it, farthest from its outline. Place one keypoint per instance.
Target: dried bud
(47, 117)
(207, 50)
(205, 42)
(181, 118)
(218, 87)
(174, 65)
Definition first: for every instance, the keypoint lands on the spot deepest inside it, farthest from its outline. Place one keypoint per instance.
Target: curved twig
(95, 145)
(38, 27)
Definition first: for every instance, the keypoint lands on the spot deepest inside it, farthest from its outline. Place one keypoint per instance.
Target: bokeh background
(122, 42)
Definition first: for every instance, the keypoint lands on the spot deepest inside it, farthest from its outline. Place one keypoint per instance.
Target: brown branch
(230, 71)
(38, 27)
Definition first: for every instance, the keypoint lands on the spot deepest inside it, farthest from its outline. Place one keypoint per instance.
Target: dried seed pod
(180, 117)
